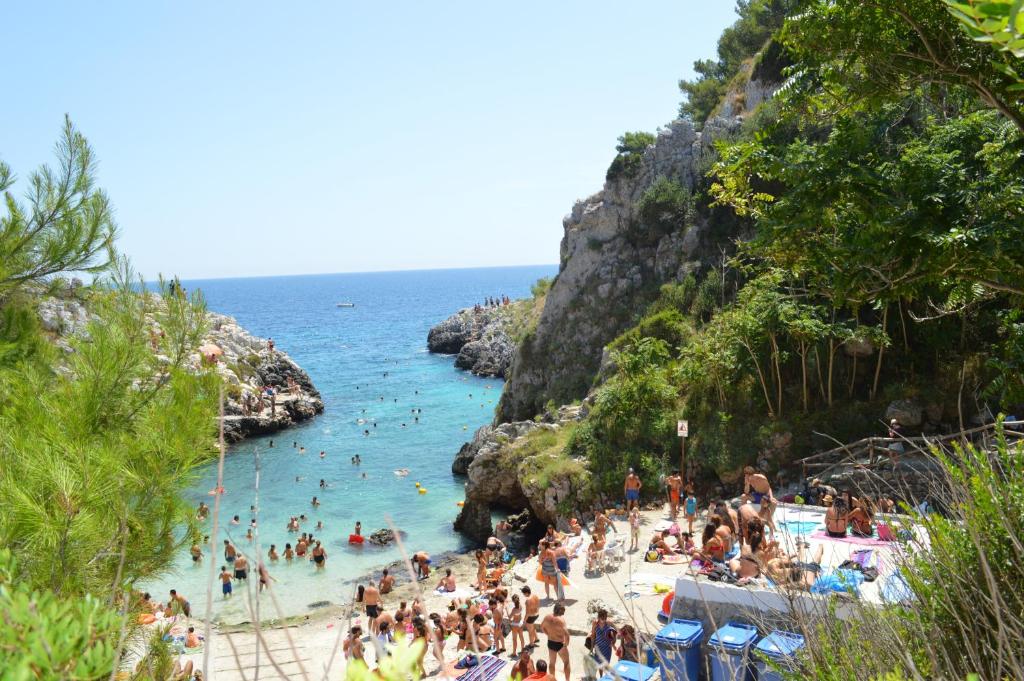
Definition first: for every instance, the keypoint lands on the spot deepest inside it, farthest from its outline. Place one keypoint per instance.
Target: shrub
(630, 150)
(665, 206)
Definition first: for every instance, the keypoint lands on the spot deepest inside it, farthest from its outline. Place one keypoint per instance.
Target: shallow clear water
(347, 352)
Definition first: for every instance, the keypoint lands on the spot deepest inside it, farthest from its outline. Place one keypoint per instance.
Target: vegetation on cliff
(884, 260)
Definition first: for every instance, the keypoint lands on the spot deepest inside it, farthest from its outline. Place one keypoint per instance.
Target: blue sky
(240, 139)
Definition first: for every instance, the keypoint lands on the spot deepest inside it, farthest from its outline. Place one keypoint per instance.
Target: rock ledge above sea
(483, 339)
(246, 366)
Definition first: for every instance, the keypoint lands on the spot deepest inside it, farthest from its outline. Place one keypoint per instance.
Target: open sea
(347, 352)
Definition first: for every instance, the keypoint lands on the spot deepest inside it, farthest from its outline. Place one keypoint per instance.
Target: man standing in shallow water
(632, 489)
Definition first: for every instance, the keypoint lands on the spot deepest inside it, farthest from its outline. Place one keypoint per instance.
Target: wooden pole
(682, 459)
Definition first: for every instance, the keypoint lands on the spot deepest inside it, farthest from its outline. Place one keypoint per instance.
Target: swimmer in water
(323, 484)
(302, 450)
(315, 502)
(322, 454)
(364, 476)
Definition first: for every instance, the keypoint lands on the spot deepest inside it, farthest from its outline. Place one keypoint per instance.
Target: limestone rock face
(611, 269)
(910, 414)
(482, 339)
(247, 366)
(499, 474)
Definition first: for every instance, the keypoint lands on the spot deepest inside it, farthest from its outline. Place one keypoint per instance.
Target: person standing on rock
(632, 489)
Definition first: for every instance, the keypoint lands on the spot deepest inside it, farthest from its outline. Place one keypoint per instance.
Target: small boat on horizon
(346, 305)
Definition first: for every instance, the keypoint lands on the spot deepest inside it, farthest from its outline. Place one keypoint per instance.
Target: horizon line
(320, 274)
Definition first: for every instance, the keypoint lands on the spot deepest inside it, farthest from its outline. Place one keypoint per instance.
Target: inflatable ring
(666, 604)
(356, 539)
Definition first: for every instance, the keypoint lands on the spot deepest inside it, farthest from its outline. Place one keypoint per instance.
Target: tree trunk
(761, 378)
(853, 378)
(831, 362)
(821, 379)
(803, 373)
(776, 358)
(881, 353)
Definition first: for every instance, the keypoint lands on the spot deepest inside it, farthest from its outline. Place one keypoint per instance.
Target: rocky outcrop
(502, 472)
(612, 265)
(248, 365)
(244, 362)
(483, 339)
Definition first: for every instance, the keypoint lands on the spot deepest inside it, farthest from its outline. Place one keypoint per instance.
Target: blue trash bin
(677, 649)
(629, 671)
(729, 652)
(780, 647)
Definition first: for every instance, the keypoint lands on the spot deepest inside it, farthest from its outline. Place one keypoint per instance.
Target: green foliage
(999, 23)
(95, 444)
(401, 664)
(630, 150)
(46, 637)
(665, 206)
(854, 212)
(882, 49)
(758, 20)
(541, 287)
(93, 457)
(632, 422)
(67, 226)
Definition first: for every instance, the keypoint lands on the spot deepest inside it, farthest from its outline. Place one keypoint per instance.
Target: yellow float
(460, 503)
(423, 490)
(417, 484)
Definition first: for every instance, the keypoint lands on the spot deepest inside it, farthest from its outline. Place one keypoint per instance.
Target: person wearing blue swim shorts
(632, 489)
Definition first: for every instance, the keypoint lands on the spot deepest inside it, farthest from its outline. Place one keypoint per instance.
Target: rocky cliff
(245, 364)
(520, 465)
(612, 265)
(483, 339)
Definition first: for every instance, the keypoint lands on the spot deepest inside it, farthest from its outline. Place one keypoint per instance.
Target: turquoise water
(347, 352)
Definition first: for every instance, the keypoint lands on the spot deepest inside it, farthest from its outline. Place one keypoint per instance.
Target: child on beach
(634, 529)
(691, 508)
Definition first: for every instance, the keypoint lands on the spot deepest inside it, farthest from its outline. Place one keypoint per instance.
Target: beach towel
(662, 525)
(839, 581)
(862, 541)
(674, 559)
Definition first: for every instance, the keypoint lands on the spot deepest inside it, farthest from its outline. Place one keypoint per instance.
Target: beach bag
(885, 533)
(506, 628)
(652, 556)
(562, 563)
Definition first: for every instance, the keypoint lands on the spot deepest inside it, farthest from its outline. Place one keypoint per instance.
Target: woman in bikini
(860, 518)
(515, 618)
(481, 571)
(836, 518)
